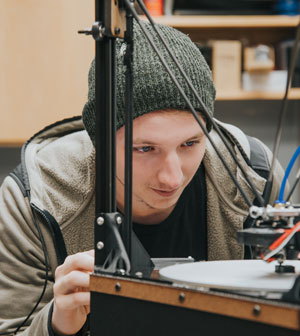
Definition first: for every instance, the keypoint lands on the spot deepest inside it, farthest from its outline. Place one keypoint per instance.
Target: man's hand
(71, 293)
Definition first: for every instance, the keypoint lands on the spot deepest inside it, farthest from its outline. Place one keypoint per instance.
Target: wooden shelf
(294, 94)
(256, 29)
(252, 29)
(228, 21)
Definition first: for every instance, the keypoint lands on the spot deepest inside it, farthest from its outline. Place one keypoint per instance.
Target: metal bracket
(115, 23)
(110, 251)
(116, 19)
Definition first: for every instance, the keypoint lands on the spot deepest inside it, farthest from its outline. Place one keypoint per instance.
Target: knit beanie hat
(153, 89)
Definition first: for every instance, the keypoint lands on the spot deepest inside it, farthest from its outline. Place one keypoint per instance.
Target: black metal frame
(117, 250)
(127, 228)
(106, 131)
(110, 252)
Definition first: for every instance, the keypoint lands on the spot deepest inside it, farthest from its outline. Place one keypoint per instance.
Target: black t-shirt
(184, 232)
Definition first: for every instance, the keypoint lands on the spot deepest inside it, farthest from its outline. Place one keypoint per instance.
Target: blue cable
(286, 175)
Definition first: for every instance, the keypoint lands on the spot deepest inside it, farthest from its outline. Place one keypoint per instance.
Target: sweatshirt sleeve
(22, 266)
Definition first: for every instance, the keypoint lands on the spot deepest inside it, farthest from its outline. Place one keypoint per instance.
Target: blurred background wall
(43, 63)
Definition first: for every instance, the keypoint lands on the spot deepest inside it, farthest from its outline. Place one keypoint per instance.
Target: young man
(184, 203)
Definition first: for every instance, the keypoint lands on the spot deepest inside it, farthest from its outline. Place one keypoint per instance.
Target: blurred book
(221, 7)
(283, 51)
(227, 64)
(206, 51)
(288, 7)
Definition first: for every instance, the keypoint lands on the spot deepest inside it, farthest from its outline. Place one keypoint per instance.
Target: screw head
(117, 30)
(100, 220)
(119, 220)
(256, 310)
(100, 245)
(121, 271)
(181, 297)
(139, 274)
(117, 287)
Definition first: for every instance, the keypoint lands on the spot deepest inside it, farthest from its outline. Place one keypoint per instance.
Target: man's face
(168, 147)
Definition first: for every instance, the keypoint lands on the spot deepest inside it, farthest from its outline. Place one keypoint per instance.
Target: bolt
(117, 30)
(100, 245)
(121, 271)
(256, 310)
(117, 287)
(100, 220)
(97, 31)
(119, 220)
(181, 297)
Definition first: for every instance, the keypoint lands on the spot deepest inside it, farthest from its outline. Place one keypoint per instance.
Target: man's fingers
(83, 261)
(71, 292)
(91, 253)
(74, 300)
(74, 281)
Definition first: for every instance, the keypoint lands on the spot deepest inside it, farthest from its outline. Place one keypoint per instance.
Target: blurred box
(168, 7)
(265, 81)
(155, 7)
(226, 64)
(259, 58)
(206, 51)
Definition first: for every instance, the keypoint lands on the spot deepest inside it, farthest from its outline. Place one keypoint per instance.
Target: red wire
(287, 232)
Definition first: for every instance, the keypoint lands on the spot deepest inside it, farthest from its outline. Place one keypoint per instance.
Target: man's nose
(170, 173)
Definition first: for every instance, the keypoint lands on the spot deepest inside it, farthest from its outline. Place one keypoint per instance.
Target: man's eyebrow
(196, 136)
(148, 142)
(143, 141)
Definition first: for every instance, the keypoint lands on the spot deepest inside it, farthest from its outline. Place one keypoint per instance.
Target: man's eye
(190, 143)
(143, 149)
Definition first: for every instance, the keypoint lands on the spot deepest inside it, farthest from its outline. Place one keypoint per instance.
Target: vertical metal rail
(105, 126)
(128, 61)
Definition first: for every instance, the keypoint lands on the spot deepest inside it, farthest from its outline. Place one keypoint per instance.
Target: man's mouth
(165, 193)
